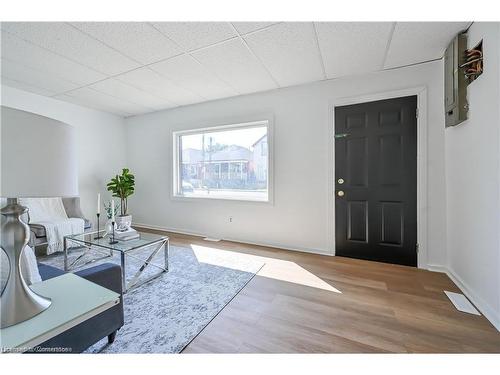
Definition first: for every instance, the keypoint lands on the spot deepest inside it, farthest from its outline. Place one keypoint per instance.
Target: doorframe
(422, 158)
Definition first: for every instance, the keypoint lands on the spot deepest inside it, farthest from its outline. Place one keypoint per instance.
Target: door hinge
(417, 247)
(416, 113)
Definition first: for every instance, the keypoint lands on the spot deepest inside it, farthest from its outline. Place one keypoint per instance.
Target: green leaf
(122, 186)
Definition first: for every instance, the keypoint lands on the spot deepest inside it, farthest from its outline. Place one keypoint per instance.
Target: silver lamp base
(18, 302)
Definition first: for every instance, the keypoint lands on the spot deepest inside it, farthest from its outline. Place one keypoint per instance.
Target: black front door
(376, 180)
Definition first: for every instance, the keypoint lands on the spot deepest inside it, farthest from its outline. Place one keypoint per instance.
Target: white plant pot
(123, 222)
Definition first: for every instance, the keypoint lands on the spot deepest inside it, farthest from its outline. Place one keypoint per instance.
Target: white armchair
(38, 235)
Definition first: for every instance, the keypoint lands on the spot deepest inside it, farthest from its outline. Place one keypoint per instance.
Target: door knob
(340, 181)
(340, 193)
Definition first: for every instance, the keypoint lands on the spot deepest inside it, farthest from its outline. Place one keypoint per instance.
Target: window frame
(177, 160)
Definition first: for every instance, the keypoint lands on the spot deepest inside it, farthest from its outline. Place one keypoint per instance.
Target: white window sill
(179, 197)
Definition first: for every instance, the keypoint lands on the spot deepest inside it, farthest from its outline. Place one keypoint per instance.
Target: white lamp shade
(38, 156)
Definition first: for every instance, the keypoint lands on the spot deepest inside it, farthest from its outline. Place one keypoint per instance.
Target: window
(224, 162)
(263, 148)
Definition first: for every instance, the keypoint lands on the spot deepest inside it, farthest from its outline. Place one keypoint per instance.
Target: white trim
(167, 229)
(422, 158)
(183, 198)
(478, 302)
(218, 128)
(437, 268)
(488, 312)
(223, 161)
(264, 244)
(265, 120)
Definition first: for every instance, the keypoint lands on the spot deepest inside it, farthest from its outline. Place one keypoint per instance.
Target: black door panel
(376, 169)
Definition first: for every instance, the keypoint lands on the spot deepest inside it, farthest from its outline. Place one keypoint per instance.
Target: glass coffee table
(136, 255)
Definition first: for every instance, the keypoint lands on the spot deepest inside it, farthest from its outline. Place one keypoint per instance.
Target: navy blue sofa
(105, 324)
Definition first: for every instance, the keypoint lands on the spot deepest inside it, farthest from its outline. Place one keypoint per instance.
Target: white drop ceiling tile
(92, 95)
(415, 42)
(51, 58)
(353, 47)
(96, 99)
(25, 87)
(89, 103)
(30, 55)
(138, 40)
(124, 91)
(187, 72)
(156, 84)
(36, 78)
(68, 41)
(248, 27)
(232, 62)
(289, 51)
(193, 35)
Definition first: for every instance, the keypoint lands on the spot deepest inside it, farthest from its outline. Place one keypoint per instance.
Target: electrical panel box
(455, 82)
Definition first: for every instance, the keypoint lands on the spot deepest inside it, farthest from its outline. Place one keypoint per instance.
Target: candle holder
(98, 236)
(112, 239)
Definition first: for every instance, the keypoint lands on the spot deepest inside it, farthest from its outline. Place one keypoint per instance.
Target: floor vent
(461, 303)
(211, 239)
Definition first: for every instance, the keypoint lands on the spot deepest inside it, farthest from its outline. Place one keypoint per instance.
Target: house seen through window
(229, 162)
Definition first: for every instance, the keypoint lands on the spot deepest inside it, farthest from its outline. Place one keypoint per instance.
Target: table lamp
(38, 159)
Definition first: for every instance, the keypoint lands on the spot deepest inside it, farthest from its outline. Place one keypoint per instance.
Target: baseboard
(173, 230)
(283, 247)
(478, 302)
(264, 244)
(437, 268)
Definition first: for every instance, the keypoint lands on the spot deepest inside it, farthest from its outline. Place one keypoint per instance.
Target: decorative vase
(109, 226)
(123, 222)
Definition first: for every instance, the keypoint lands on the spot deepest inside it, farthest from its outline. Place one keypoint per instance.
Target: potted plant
(122, 186)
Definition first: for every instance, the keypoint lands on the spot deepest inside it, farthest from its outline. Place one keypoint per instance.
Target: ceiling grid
(130, 68)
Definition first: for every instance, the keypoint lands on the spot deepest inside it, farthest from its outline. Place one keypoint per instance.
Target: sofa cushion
(48, 272)
(92, 330)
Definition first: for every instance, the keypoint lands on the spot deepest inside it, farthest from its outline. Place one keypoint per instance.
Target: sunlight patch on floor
(277, 269)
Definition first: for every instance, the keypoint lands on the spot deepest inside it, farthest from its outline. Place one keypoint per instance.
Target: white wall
(473, 183)
(301, 216)
(100, 140)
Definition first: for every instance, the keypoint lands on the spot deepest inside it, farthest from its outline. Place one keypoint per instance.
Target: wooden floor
(305, 303)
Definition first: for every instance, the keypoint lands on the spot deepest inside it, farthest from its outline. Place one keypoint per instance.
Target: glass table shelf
(141, 250)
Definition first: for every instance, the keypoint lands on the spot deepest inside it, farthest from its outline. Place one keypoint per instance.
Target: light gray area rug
(164, 315)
